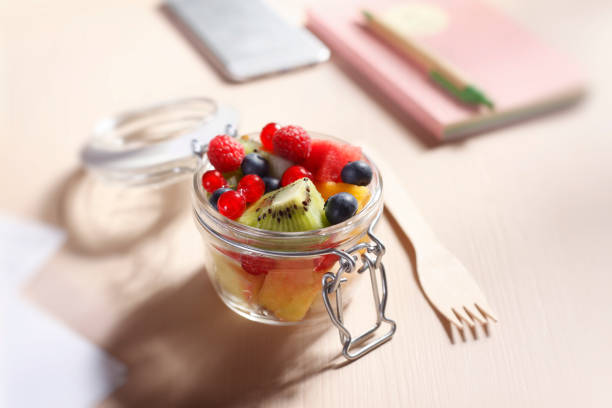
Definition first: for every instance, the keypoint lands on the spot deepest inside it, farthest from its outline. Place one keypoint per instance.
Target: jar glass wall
(276, 277)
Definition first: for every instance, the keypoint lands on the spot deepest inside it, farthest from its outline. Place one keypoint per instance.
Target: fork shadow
(448, 327)
(184, 347)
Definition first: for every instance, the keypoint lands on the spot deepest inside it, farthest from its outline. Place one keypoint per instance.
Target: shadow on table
(104, 218)
(184, 347)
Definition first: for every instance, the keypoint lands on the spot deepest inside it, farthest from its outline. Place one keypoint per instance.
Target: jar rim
(252, 233)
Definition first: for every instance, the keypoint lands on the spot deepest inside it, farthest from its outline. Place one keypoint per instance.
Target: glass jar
(289, 292)
(293, 277)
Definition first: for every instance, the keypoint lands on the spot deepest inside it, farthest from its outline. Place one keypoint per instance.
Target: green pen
(439, 72)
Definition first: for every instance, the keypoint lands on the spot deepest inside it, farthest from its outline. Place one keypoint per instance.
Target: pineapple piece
(290, 293)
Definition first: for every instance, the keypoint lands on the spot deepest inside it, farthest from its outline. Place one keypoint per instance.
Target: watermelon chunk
(318, 150)
(327, 158)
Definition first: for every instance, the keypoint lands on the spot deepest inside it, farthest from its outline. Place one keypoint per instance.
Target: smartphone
(245, 39)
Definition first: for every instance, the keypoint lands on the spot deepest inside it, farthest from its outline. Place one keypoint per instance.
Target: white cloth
(42, 362)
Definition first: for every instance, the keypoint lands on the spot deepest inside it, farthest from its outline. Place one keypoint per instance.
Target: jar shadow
(103, 218)
(184, 347)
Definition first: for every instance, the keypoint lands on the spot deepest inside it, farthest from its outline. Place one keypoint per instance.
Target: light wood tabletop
(527, 209)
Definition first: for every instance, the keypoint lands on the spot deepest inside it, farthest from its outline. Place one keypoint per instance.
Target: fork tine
(474, 315)
(464, 317)
(483, 314)
(451, 318)
(485, 309)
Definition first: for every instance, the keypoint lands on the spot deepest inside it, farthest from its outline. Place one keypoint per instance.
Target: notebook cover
(523, 76)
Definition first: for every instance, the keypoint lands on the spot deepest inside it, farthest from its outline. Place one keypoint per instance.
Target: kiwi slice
(295, 207)
(250, 146)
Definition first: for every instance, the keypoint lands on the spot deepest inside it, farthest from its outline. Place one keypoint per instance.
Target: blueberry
(357, 172)
(254, 163)
(340, 207)
(216, 194)
(271, 183)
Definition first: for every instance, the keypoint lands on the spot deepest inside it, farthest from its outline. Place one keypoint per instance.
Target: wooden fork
(446, 282)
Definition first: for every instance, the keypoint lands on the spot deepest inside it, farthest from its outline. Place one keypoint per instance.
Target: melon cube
(234, 280)
(289, 293)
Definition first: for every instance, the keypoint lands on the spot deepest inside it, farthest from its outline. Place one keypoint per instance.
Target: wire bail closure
(332, 283)
(371, 261)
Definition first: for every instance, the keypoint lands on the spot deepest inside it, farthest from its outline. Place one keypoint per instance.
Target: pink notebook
(521, 75)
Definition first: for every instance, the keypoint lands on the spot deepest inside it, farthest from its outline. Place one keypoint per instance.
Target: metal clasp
(371, 260)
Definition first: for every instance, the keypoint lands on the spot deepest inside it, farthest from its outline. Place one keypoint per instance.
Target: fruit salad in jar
(283, 180)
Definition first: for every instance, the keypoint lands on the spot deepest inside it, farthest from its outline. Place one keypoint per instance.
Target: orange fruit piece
(329, 188)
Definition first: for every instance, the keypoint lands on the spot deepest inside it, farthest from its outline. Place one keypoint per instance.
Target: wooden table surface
(526, 208)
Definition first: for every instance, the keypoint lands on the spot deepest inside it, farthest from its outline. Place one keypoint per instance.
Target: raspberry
(225, 153)
(251, 187)
(267, 135)
(294, 173)
(231, 204)
(256, 265)
(293, 143)
(213, 180)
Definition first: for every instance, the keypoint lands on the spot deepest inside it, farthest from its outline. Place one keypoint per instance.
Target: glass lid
(156, 144)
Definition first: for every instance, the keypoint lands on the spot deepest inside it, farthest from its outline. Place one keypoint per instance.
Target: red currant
(267, 135)
(231, 204)
(251, 187)
(213, 180)
(294, 173)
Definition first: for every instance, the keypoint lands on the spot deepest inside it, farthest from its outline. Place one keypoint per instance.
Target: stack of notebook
(518, 73)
